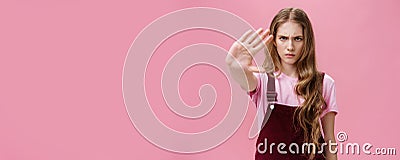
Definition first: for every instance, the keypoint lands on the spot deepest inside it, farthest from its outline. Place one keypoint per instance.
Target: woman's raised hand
(240, 57)
(242, 51)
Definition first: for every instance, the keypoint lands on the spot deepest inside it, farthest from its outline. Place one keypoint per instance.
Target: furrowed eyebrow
(279, 35)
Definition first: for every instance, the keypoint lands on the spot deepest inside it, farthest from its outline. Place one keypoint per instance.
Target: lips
(289, 55)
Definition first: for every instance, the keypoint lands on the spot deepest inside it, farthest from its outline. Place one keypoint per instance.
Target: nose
(290, 46)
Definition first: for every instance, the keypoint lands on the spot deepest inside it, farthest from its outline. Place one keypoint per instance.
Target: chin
(289, 62)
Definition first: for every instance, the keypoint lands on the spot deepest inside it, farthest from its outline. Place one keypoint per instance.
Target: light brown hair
(309, 84)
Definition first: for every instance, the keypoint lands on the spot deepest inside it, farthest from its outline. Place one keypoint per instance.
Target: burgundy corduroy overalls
(278, 127)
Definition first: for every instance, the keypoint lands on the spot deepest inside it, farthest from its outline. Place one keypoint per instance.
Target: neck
(289, 70)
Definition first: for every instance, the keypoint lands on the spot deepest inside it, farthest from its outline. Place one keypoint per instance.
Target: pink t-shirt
(285, 88)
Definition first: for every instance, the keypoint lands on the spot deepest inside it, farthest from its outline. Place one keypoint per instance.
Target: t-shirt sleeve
(329, 93)
(255, 94)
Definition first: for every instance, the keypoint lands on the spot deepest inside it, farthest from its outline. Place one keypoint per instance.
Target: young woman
(304, 107)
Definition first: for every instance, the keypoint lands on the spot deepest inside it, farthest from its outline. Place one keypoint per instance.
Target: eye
(282, 38)
(298, 38)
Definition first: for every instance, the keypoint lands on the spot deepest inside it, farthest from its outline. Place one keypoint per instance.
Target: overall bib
(278, 127)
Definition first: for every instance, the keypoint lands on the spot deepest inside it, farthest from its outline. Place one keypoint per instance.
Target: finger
(258, 40)
(263, 36)
(267, 35)
(253, 36)
(259, 46)
(269, 39)
(245, 35)
(267, 32)
(256, 69)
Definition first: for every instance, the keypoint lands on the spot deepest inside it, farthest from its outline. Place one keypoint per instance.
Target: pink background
(61, 75)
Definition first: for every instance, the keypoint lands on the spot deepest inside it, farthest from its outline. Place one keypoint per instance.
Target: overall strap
(271, 98)
(271, 93)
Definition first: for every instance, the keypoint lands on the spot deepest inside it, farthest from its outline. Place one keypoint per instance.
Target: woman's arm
(328, 124)
(240, 57)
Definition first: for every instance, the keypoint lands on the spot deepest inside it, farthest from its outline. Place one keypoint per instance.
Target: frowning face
(289, 42)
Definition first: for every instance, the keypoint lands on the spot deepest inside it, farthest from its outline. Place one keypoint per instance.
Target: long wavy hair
(309, 85)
